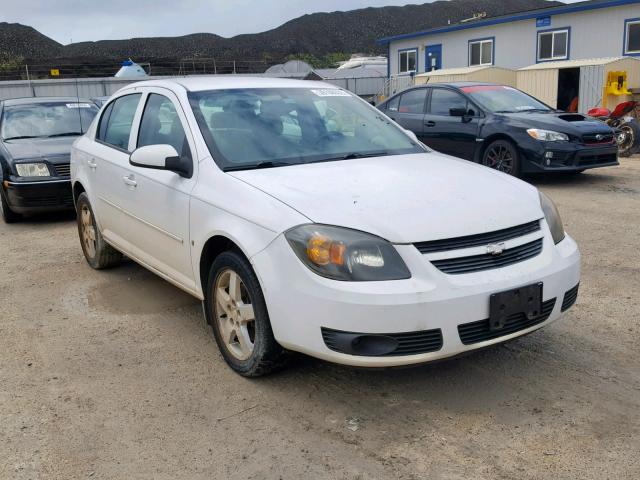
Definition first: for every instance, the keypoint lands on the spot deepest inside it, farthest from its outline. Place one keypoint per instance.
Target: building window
(408, 61)
(632, 37)
(553, 45)
(481, 52)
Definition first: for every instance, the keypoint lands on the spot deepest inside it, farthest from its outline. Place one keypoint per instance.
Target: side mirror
(161, 157)
(412, 135)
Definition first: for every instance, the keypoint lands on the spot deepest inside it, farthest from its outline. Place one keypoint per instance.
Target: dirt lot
(111, 375)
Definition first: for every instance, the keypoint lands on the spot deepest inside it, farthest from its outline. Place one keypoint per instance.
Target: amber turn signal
(322, 250)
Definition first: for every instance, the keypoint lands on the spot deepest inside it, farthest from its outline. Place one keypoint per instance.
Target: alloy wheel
(88, 230)
(234, 314)
(625, 139)
(500, 158)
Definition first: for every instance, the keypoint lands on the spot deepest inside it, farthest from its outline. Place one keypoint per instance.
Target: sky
(69, 21)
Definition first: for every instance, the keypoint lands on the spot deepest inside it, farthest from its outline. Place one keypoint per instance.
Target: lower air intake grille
(570, 298)
(477, 263)
(383, 344)
(476, 332)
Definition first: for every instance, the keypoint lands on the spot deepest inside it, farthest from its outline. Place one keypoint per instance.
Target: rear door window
(116, 121)
(413, 101)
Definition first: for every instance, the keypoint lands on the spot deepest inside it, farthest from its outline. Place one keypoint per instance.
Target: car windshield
(47, 119)
(503, 99)
(258, 128)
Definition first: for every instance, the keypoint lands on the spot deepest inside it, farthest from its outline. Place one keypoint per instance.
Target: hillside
(317, 34)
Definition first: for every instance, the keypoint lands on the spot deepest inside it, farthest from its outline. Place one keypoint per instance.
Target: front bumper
(567, 156)
(304, 307)
(32, 196)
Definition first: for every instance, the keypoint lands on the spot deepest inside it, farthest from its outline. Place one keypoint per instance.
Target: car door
(157, 201)
(446, 133)
(410, 110)
(107, 165)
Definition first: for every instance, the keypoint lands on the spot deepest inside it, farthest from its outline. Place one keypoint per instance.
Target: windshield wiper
(65, 134)
(255, 166)
(352, 156)
(20, 137)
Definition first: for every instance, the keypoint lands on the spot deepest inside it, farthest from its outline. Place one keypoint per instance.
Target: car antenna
(78, 105)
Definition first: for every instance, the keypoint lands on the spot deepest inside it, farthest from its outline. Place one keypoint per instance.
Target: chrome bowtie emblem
(599, 137)
(495, 248)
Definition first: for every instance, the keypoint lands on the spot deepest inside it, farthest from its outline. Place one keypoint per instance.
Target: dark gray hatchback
(502, 128)
(35, 143)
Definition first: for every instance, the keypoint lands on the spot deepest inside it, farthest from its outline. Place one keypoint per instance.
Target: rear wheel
(8, 215)
(98, 253)
(628, 138)
(502, 155)
(236, 310)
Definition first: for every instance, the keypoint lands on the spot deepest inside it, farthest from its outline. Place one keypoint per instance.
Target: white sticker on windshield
(331, 92)
(78, 105)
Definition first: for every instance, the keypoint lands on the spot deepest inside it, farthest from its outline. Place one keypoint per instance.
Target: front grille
(476, 332)
(408, 343)
(592, 138)
(570, 298)
(63, 169)
(478, 263)
(479, 239)
(595, 159)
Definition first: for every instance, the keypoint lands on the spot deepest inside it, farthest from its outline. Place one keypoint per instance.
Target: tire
(237, 313)
(502, 155)
(632, 143)
(98, 253)
(8, 215)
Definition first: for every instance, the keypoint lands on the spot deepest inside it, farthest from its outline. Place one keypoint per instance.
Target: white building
(591, 29)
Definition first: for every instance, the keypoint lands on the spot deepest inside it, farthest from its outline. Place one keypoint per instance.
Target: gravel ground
(111, 375)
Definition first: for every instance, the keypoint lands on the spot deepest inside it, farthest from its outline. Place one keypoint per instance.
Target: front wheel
(628, 138)
(236, 310)
(502, 155)
(98, 253)
(8, 215)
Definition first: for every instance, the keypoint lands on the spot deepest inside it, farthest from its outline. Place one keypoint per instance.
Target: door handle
(92, 164)
(130, 180)
(430, 123)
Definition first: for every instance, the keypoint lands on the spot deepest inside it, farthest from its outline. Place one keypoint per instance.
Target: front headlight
(547, 135)
(345, 254)
(32, 170)
(552, 216)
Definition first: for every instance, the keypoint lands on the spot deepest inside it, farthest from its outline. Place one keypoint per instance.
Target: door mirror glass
(159, 157)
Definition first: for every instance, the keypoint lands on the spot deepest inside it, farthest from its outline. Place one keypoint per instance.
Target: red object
(622, 109)
(482, 88)
(599, 112)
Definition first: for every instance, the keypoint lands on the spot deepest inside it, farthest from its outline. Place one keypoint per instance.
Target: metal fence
(101, 87)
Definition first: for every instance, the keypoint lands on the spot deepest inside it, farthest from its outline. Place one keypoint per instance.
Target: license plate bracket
(526, 300)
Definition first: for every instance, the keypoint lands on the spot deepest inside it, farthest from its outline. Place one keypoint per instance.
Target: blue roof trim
(571, 8)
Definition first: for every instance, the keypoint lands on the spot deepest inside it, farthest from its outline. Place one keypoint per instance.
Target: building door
(433, 57)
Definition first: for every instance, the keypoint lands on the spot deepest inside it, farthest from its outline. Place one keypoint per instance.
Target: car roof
(37, 100)
(224, 82)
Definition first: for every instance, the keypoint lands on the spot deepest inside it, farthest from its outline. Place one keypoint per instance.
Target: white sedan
(306, 220)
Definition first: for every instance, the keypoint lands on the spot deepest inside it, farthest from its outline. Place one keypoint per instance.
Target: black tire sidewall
(105, 256)
(635, 146)
(8, 215)
(514, 153)
(266, 349)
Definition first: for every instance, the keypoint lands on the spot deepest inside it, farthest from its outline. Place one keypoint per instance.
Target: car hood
(563, 122)
(404, 199)
(39, 147)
